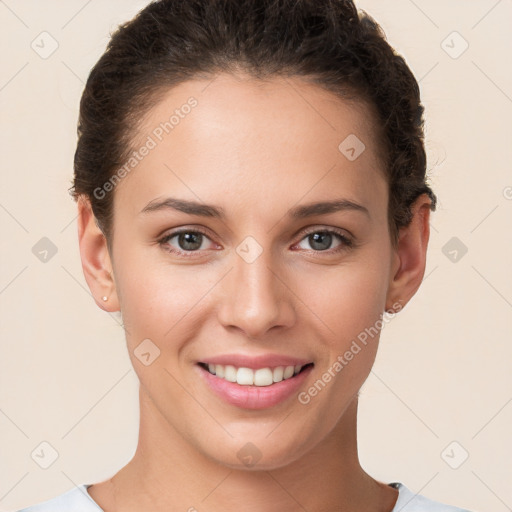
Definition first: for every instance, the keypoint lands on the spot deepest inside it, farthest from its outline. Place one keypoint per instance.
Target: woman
(250, 179)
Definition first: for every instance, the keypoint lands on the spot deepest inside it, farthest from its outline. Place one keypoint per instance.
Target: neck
(167, 473)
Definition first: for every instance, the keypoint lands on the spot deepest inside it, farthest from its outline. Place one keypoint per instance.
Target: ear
(96, 262)
(410, 256)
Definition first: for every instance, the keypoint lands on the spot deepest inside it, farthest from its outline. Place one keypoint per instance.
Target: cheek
(155, 299)
(346, 298)
(348, 310)
(161, 304)
(346, 305)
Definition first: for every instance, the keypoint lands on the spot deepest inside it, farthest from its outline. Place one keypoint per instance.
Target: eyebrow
(325, 207)
(190, 207)
(298, 212)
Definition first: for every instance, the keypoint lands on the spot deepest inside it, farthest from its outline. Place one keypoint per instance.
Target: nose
(255, 298)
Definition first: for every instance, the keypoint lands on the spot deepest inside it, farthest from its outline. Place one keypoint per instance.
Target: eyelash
(347, 243)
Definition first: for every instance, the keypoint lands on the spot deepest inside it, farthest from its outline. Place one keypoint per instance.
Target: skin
(256, 149)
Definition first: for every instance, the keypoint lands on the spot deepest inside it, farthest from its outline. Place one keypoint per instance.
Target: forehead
(276, 138)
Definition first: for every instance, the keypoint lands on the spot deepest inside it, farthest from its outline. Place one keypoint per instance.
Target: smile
(254, 377)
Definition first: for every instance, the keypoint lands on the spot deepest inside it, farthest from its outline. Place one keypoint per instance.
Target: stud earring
(105, 298)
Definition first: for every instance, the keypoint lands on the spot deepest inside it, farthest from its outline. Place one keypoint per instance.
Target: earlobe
(96, 262)
(410, 255)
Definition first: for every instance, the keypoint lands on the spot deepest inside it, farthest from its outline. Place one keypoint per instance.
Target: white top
(78, 500)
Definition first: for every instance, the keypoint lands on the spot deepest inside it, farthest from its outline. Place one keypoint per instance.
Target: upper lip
(255, 362)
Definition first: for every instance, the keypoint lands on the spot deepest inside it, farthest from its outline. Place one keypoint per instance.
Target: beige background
(443, 369)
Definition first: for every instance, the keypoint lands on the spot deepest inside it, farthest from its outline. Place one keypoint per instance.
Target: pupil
(322, 239)
(190, 241)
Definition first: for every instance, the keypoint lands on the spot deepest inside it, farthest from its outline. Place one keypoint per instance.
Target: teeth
(288, 372)
(277, 374)
(245, 376)
(250, 377)
(230, 373)
(263, 377)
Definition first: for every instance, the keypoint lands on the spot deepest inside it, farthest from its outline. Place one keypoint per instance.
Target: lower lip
(254, 397)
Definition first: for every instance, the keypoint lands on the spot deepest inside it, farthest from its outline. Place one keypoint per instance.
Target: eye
(321, 240)
(186, 241)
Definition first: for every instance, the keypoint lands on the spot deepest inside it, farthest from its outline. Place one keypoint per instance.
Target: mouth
(259, 377)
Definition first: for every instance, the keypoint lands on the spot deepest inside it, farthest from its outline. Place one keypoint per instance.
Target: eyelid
(329, 229)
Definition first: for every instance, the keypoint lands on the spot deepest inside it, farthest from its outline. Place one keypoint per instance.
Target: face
(219, 257)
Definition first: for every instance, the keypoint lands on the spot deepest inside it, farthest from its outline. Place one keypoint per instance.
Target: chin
(259, 454)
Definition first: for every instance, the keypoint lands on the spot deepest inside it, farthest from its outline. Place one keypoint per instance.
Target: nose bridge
(255, 300)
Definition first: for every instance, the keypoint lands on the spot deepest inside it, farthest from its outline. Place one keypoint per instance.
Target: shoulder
(410, 502)
(74, 500)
